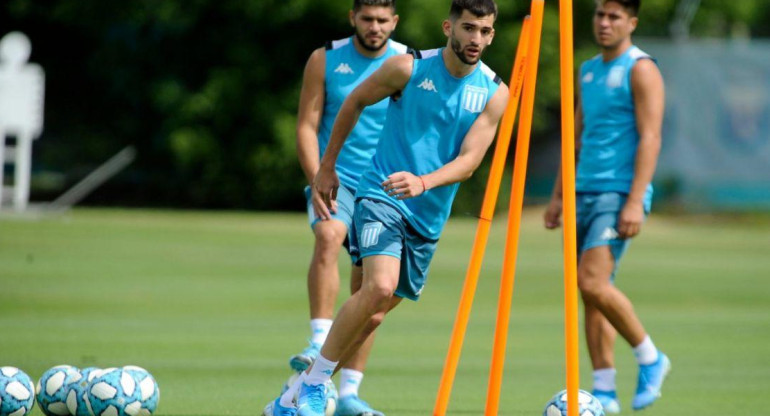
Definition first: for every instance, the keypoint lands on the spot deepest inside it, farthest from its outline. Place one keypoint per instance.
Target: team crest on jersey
(343, 68)
(474, 98)
(615, 77)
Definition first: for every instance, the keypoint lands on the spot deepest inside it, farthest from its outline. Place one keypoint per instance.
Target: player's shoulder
(635, 53)
(333, 45)
(398, 47)
(594, 60)
(490, 74)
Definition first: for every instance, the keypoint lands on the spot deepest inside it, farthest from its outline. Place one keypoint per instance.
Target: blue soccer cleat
(274, 408)
(300, 362)
(608, 399)
(352, 405)
(650, 382)
(312, 400)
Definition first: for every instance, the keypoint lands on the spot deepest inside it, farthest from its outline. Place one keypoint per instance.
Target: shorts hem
(380, 253)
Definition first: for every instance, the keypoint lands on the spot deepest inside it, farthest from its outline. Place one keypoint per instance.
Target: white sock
(319, 329)
(321, 371)
(604, 379)
(646, 353)
(350, 380)
(287, 398)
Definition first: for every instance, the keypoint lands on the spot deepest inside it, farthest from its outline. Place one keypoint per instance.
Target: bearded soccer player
(330, 75)
(619, 119)
(445, 107)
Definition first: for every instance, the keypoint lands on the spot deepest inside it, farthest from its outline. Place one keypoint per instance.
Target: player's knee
(329, 234)
(378, 295)
(591, 289)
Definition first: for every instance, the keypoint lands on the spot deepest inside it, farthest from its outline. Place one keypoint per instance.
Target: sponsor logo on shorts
(609, 233)
(370, 234)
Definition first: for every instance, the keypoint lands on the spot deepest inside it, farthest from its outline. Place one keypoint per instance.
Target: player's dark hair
(631, 6)
(383, 3)
(478, 8)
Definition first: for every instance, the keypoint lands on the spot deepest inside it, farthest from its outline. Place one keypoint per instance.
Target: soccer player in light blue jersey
(330, 75)
(444, 109)
(619, 119)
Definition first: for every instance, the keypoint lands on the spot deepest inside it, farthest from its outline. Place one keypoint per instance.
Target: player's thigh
(343, 216)
(596, 267)
(415, 263)
(356, 278)
(380, 275)
(378, 239)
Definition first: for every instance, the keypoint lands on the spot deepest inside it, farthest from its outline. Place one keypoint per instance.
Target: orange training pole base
(514, 215)
(482, 230)
(568, 195)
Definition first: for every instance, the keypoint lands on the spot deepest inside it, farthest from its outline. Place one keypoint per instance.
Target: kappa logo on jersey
(588, 77)
(343, 68)
(427, 85)
(370, 234)
(474, 98)
(609, 234)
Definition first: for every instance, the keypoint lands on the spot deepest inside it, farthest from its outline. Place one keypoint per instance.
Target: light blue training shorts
(345, 202)
(597, 220)
(380, 229)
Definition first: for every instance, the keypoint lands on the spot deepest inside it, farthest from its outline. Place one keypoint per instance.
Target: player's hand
(630, 220)
(552, 214)
(403, 185)
(320, 209)
(325, 185)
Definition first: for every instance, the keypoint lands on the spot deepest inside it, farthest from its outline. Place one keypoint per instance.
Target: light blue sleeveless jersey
(345, 70)
(424, 130)
(610, 137)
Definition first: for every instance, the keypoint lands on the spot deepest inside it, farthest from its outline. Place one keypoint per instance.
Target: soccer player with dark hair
(444, 110)
(330, 75)
(618, 125)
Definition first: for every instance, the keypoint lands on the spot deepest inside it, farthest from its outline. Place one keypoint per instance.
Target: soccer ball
(149, 394)
(76, 396)
(331, 396)
(53, 387)
(113, 392)
(17, 393)
(588, 405)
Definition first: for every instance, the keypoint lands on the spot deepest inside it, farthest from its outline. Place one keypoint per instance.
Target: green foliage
(207, 90)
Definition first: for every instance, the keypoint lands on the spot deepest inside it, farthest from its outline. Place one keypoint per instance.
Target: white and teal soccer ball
(53, 387)
(588, 405)
(331, 397)
(76, 395)
(113, 392)
(149, 395)
(17, 393)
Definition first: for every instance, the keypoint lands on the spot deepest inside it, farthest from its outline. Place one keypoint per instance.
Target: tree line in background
(206, 91)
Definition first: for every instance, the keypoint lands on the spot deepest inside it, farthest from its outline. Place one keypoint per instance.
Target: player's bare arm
(474, 147)
(649, 102)
(388, 80)
(552, 216)
(311, 104)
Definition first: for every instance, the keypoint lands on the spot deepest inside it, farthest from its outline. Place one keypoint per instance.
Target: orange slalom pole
(569, 205)
(514, 213)
(485, 221)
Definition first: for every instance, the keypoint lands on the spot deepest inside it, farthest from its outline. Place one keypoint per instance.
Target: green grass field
(213, 304)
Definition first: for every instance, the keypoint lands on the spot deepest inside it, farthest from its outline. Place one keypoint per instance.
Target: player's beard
(371, 48)
(457, 48)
